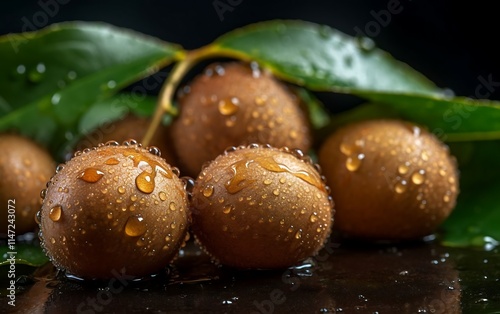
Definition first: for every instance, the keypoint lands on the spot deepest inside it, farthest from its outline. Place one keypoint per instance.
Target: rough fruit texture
(391, 180)
(25, 167)
(130, 127)
(113, 208)
(260, 207)
(231, 105)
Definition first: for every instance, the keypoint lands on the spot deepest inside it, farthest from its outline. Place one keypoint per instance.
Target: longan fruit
(234, 104)
(114, 207)
(390, 179)
(130, 126)
(24, 168)
(261, 207)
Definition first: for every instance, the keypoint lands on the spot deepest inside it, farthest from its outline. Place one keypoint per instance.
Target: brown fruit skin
(247, 216)
(233, 104)
(130, 127)
(25, 167)
(372, 200)
(94, 234)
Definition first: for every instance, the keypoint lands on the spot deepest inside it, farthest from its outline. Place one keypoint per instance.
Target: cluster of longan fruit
(258, 200)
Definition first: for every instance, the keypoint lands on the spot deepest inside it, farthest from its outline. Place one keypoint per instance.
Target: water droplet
(110, 215)
(451, 180)
(112, 161)
(52, 240)
(21, 69)
(135, 226)
(111, 84)
(400, 187)
(121, 189)
(71, 75)
(145, 183)
(418, 177)
(55, 213)
(229, 107)
(313, 218)
(424, 155)
(298, 235)
(268, 181)
(282, 180)
(227, 208)
(293, 134)
(37, 73)
(442, 172)
(276, 192)
(172, 206)
(208, 190)
(365, 43)
(173, 225)
(162, 195)
(353, 163)
(260, 100)
(55, 99)
(91, 175)
(446, 198)
(403, 169)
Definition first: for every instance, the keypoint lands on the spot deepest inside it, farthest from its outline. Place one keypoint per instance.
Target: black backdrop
(450, 42)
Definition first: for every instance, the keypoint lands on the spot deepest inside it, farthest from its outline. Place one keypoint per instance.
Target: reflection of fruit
(130, 127)
(390, 180)
(24, 169)
(260, 207)
(232, 105)
(114, 207)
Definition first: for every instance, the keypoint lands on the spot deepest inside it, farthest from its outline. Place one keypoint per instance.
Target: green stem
(167, 92)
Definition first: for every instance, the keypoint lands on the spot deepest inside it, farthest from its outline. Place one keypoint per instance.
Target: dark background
(452, 43)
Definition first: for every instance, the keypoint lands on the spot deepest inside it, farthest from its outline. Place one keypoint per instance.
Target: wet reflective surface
(346, 278)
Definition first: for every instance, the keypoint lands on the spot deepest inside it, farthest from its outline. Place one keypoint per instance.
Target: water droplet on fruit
(229, 107)
(112, 161)
(38, 217)
(418, 177)
(400, 186)
(55, 213)
(172, 206)
(353, 163)
(424, 156)
(403, 169)
(145, 183)
(162, 195)
(298, 234)
(208, 190)
(267, 181)
(260, 100)
(135, 226)
(227, 208)
(91, 175)
(313, 218)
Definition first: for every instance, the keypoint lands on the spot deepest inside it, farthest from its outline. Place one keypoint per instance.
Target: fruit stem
(172, 83)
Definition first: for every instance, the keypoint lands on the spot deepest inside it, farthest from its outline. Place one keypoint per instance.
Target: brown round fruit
(114, 208)
(25, 167)
(260, 207)
(391, 180)
(234, 104)
(130, 127)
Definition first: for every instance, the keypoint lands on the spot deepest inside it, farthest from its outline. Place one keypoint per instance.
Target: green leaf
(26, 254)
(321, 58)
(53, 76)
(452, 118)
(475, 220)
